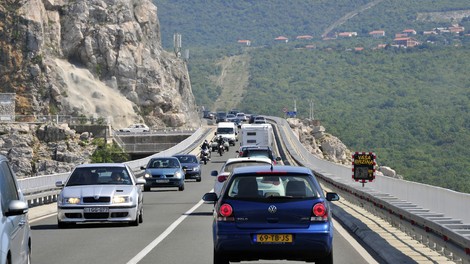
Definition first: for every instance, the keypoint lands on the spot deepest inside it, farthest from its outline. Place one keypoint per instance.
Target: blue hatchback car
(272, 212)
(193, 167)
(164, 172)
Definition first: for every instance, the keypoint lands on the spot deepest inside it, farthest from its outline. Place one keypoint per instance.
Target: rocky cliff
(325, 146)
(44, 149)
(100, 58)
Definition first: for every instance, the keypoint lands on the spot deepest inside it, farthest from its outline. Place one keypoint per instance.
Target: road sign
(291, 113)
(363, 166)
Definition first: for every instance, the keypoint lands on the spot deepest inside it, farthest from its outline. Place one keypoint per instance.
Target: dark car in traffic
(192, 164)
(272, 212)
(164, 172)
(221, 117)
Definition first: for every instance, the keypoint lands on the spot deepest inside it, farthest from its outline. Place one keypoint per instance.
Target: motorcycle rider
(205, 152)
(220, 141)
(205, 145)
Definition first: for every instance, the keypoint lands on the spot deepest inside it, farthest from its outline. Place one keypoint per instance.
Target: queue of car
(262, 210)
(110, 192)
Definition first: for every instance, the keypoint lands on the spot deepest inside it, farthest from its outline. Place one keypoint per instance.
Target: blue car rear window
(272, 186)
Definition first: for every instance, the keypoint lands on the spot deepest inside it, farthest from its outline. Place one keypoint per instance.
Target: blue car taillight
(319, 213)
(225, 213)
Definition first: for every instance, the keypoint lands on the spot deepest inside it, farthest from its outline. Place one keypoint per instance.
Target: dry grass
(233, 80)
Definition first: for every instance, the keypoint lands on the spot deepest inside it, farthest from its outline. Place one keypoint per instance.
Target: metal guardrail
(41, 190)
(435, 216)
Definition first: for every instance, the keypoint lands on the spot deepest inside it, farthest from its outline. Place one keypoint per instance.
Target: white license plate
(96, 210)
(162, 181)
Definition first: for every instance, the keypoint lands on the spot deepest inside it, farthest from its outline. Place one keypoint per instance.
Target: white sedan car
(135, 128)
(232, 163)
(100, 192)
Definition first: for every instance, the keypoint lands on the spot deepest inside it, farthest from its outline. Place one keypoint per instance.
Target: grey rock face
(43, 149)
(325, 146)
(103, 58)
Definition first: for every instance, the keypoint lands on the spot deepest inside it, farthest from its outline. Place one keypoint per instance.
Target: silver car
(233, 163)
(15, 243)
(100, 192)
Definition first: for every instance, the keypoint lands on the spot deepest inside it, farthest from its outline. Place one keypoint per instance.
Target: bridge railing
(440, 217)
(40, 190)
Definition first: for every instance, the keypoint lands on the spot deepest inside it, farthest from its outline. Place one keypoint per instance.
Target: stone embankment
(44, 149)
(326, 146)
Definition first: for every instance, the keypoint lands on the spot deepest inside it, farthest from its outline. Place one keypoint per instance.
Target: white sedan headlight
(121, 199)
(71, 200)
(178, 175)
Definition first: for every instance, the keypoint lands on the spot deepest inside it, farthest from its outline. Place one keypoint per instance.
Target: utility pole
(177, 44)
(295, 107)
(311, 109)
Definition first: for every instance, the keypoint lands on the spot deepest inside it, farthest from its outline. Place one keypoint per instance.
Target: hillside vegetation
(410, 106)
(215, 23)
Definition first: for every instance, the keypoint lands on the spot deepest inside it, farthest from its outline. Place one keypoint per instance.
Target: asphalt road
(176, 230)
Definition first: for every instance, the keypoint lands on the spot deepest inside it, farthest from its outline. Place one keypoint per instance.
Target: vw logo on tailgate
(272, 209)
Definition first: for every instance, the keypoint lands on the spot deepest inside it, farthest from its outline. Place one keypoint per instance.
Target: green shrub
(110, 153)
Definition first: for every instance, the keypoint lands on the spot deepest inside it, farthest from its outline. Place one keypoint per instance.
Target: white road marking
(163, 235)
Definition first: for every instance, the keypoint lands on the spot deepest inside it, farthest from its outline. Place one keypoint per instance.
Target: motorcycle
(214, 145)
(226, 144)
(220, 149)
(205, 155)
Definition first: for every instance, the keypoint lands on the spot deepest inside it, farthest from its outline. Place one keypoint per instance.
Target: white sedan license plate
(96, 210)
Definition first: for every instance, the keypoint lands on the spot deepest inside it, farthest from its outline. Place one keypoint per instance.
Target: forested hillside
(410, 106)
(215, 23)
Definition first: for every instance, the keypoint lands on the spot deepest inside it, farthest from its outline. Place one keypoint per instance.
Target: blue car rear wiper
(280, 197)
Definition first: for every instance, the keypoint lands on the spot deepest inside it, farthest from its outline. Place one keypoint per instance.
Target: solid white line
(354, 243)
(163, 235)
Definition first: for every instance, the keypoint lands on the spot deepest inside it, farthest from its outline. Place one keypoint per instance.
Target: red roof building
(381, 46)
(401, 35)
(244, 41)
(409, 31)
(406, 42)
(377, 33)
(307, 37)
(456, 30)
(347, 34)
(282, 39)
